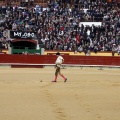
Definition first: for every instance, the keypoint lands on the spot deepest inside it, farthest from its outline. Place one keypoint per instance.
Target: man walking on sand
(58, 64)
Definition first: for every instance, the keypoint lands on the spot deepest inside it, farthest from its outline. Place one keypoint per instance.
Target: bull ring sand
(89, 94)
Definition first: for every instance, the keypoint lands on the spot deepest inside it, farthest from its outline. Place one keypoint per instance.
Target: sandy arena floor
(89, 94)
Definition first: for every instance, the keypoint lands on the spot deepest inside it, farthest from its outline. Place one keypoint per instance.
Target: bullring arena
(89, 94)
(86, 33)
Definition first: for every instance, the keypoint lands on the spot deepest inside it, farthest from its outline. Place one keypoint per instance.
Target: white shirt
(118, 48)
(59, 60)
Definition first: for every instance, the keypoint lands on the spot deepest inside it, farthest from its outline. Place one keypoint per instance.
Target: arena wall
(36, 61)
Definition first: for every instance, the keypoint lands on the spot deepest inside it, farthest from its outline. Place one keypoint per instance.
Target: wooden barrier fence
(41, 60)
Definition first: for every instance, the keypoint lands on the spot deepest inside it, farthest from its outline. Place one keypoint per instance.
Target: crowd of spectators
(58, 26)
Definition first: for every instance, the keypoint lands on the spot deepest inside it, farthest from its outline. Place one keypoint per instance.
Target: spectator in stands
(80, 49)
(118, 50)
(113, 49)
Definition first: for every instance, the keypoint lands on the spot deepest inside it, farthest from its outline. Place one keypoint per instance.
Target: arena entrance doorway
(20, 46)
(24, 42)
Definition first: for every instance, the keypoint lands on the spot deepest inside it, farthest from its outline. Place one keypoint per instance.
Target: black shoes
(65, 80)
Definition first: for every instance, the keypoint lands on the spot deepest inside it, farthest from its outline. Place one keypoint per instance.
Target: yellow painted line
(77, 54)
(83, 54)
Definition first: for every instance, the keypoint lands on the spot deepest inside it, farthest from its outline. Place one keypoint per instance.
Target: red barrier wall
(50, 59)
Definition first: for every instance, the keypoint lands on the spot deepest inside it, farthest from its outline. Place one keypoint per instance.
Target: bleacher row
(58, 27)
(17, 2)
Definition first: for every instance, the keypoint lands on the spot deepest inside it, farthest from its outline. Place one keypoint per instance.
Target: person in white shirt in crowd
(118, 51)
(58, 64)
(113, 49)
(80, 48)
(14, 26)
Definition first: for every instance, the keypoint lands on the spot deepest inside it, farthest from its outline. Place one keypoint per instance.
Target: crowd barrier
(16, 60)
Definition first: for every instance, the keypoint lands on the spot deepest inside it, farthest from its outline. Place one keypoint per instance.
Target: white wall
(90, 23)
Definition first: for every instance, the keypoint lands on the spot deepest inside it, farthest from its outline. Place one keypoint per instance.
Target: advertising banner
(19, 34)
